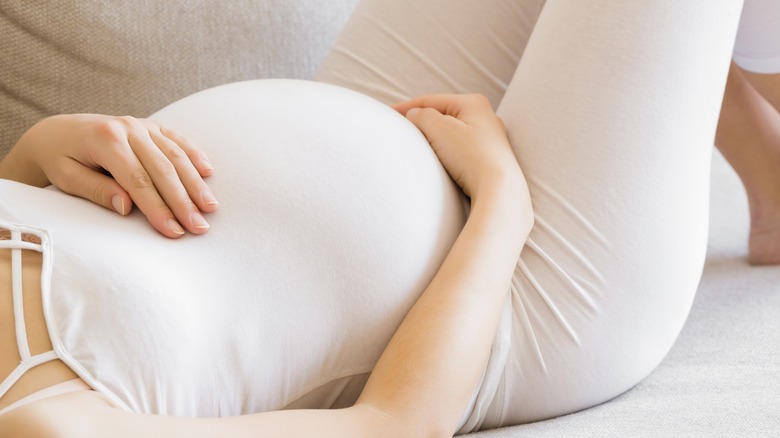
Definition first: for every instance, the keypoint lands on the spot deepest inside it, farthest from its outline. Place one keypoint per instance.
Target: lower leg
(748, 136)
(768, 85)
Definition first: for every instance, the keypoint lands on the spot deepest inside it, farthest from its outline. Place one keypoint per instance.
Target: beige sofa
(722, 378)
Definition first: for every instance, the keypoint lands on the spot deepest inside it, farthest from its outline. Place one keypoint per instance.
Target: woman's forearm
(428, 373)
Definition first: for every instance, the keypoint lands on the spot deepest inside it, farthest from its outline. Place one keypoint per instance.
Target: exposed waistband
(73, 385)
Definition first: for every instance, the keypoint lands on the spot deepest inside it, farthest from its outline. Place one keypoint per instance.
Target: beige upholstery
(118, 57)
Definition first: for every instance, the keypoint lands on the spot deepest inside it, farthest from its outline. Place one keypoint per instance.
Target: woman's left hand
(468, 138)
(117, 162)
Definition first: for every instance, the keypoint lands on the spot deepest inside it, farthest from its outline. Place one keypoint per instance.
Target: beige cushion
(120, 58)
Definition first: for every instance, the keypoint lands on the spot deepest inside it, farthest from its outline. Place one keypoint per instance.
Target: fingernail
(206, 164)
(119, 204)
(198, 221)
(208, 197)
(412, 112)
(175, 227)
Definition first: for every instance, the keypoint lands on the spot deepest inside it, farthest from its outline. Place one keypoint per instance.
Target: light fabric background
(133, 58)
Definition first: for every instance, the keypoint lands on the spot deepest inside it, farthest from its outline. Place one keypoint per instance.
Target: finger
(456, 105)
(197, 157)
(439, 102)
(434, 125)
(427, 119)
(165, 180)
(76, 179)
(198, 191)
(119, 159)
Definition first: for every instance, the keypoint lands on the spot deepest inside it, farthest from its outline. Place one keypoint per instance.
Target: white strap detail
(60, 388)
(12, 244)
(23, 367)
(28, 361)
(18, 297)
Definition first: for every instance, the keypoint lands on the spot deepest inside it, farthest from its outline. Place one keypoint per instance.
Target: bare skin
(748, 135)
(768, 85)
(443, 342)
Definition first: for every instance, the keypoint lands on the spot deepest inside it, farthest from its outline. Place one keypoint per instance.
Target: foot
(764, 241)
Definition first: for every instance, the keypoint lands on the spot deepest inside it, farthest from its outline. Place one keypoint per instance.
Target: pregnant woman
(332, 277)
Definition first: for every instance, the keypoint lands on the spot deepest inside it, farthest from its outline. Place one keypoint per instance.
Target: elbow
(430, 428)
(528, 223)
(525, 210)
(379, 423)
(443, 432)
(427, 428)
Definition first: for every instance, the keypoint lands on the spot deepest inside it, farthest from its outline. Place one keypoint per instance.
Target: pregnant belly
(334, 215)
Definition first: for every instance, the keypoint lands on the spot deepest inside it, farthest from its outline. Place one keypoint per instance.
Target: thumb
(76, 179)
(429, 121)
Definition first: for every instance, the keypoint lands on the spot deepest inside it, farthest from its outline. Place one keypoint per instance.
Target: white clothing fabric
(334, 215)
(325, 237)
(66, 387)
(16, 244)
(757, 48)
(611, 109)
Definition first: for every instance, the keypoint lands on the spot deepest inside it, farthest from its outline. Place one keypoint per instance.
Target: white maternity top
(334, 215)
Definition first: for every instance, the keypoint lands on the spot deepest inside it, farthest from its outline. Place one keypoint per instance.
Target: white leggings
(611, 109)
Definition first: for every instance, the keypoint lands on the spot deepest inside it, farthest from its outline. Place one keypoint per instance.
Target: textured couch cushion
(134, 57)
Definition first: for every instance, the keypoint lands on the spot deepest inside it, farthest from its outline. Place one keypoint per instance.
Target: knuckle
(129, 124)
(175, 153)
(187, 204)
(112, 131)
(183, 142)
(169, 133)
(99, 193)
(165, 168)
(65, 179)
(129, 121)
(140, 179)
(438, 121)
(433, 116)
(478, 99)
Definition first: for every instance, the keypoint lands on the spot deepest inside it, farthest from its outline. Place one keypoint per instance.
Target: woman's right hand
(117, 162)
(468, 137)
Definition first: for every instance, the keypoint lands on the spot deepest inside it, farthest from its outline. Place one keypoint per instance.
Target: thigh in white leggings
(395, 50)
(611, 112)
